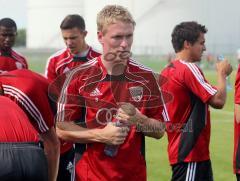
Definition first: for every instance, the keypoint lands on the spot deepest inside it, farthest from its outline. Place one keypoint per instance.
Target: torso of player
(12, 62)
(63, 61)
(102, 93)
(180, 108)
(14, 123)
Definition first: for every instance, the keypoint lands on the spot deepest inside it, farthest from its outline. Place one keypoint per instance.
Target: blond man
(122, 102)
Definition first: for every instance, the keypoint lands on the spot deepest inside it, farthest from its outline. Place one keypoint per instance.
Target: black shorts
(192, 171)
(66, 170)
(22, 161)
(238, 177)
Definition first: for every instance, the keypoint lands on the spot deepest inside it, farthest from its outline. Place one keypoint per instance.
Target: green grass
(221, 147)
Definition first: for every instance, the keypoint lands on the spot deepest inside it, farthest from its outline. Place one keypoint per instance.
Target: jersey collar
(105, 73)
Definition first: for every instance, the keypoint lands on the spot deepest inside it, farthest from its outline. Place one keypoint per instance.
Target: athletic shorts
(192, 171)
(22, 161)
(66, 170)
(238, 177)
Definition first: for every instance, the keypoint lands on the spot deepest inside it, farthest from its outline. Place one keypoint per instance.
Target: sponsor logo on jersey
(95, 92)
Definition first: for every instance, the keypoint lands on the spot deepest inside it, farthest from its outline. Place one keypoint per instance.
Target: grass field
(221, 147)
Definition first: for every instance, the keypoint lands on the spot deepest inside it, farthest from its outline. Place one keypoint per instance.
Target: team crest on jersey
(136, 93)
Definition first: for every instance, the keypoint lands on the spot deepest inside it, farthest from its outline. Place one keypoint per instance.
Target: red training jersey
(189, 127)
(236, 153)
(30, 91)
(63, 61)
(92, 95)
(14, 123)
(12, 61)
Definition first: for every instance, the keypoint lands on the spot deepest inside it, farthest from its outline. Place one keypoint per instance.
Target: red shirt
(63, 61)
(236, 154)
(14, 123)
(12, 61)
(189, 127)
(30, 91)
(92, 88)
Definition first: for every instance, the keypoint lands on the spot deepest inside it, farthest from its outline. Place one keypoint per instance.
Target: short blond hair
(110, 14)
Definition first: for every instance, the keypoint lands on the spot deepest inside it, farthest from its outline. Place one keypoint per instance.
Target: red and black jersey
(30, 91)
(236, 154)
(14, 123)
(63, 61)
(11, 61)
(90, 87)
(189, 127)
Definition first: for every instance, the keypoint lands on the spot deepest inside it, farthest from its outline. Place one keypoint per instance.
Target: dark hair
(189, 31)
(73, 21)
(8, 23)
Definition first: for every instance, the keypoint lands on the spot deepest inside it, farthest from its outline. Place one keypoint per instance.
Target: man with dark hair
(189, 135)
(77, 51)
(9, 59)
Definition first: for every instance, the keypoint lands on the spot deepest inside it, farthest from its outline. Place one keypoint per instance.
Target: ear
(100, 36)
(85, 33)
(186, 44)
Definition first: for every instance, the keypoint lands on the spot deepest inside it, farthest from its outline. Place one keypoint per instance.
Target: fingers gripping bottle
(112, 150)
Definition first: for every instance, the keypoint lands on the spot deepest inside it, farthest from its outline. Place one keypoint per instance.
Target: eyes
(70, 38)
(10, 35)
(120, 37)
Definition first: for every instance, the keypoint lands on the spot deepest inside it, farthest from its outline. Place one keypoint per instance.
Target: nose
(8, 38)
(68, 42)
(204, 48)
(124, 43)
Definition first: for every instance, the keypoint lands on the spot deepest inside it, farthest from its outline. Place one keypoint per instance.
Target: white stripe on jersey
(197, 74)
(140, 66)
(28, 105)
(49, 59)
(63, 97)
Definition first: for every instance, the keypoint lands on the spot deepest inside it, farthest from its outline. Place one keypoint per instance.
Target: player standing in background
(77, 52)
(189, 126)
(236, 155)
(21, 156)
(30, 91)
(9, 59)
(112, 84)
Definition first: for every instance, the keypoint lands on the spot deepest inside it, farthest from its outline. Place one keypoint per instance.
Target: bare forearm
(53, 163)
(219, 99)
(222, 88)
(80, 135)
(237, 113)
(151, 127)
(52, 152)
